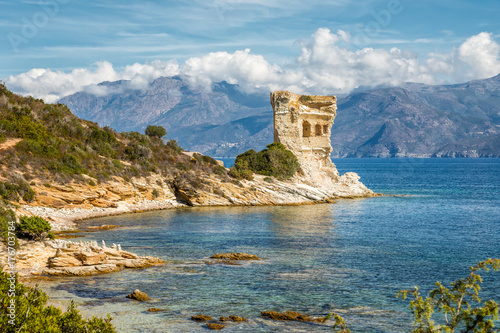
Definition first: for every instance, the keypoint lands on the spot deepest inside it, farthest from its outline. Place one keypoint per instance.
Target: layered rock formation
(303, 125)
(65, 258)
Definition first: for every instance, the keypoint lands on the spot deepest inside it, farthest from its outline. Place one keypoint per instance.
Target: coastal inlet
(351, 257)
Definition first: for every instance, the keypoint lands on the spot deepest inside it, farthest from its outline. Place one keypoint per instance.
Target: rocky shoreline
(63, 205)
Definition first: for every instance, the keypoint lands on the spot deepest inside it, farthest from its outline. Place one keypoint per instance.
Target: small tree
(155, 131)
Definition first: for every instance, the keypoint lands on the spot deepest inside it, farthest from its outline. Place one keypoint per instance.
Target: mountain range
(413, 120)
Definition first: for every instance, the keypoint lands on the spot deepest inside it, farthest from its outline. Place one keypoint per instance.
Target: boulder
(215, 326)
(64, 260)
(139, 296)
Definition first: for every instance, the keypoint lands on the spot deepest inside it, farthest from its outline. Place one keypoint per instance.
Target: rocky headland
(143, 173)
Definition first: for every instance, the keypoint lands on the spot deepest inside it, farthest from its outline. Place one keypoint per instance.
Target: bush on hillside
(155, 131)
(33, 227)
(12, 191)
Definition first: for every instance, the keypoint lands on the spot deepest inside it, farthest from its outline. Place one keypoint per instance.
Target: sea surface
(440, 217)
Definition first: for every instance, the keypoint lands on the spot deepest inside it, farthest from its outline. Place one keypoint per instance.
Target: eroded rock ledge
(66, 258)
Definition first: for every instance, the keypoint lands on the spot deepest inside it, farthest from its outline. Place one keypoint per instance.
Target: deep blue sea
(441, 217)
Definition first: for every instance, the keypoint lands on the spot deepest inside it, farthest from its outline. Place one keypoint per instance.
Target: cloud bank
(327, 64)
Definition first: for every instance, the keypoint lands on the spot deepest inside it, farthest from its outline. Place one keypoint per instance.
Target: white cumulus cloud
(327, 64)
(481, 53)
(53, 85)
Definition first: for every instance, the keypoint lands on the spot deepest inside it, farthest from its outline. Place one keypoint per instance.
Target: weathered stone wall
(303, 124)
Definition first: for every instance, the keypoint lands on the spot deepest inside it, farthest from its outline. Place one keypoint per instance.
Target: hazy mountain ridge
(415, 120)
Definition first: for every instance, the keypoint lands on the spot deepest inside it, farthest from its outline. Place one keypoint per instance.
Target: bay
(440, 216)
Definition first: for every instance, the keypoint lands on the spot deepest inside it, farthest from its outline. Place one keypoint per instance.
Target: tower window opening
(318, 130)
(306, 129)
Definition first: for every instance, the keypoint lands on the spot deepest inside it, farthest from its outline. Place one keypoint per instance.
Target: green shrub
(274, 161)
(155, 131)
(203, 159)
(8, 191)
(25, 191)
(183, 166)
(136, 151)
(268, 179)
(33, 227)
(305, 98)
(172, 144)
(117, 164)
(32, 314)
(70, 164)
(12, 191)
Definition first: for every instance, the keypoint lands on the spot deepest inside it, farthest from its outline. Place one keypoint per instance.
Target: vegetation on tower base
(24, 309)
(275, 161)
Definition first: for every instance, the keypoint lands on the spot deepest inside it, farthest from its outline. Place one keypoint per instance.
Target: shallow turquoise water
(351, 257)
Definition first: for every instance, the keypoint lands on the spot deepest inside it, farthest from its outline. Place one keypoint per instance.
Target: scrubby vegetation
(305, 98)
(56, 146)
(16, 190)
(33, 227)
(275, 161)
(32, 314)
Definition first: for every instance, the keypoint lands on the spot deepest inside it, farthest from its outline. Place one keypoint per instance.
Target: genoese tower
(303, 125)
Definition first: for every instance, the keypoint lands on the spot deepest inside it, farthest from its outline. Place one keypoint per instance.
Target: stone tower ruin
(303, 125)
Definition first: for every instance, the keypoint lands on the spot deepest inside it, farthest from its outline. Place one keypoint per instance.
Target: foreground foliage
(461, 307)
(32, 314)
(275, 161)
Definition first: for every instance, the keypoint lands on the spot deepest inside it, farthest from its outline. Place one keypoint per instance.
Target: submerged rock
(201, 318)
(156, 310)
(235, 256)
(139, 296)
(104, 227)
(236, 319)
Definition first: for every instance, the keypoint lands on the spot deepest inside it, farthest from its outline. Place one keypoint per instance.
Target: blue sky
(67, 35)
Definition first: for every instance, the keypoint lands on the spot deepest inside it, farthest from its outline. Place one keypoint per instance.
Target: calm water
(351, 257)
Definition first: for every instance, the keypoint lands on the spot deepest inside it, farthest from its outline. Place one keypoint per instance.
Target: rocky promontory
(66, 169)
